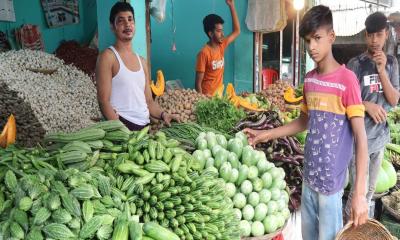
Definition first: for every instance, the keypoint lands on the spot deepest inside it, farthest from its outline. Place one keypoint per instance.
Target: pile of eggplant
(285, 152)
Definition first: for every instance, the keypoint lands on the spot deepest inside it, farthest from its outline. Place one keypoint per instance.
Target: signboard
(7, 10)
(61, 12)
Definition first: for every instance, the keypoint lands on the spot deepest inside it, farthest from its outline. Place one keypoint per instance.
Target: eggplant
(278, 157)
(241, 125)
(297, 172)
(284, 147)
(264, 126)
(260, 121)
(299, 158)
(254, 116)
(250, 124)
(295, 147)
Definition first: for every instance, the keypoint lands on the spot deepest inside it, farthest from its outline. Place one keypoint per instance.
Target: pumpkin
(289, 96)
(230, 91)
(159, 87)
(220, 91)
(246, 105)
(8, 135)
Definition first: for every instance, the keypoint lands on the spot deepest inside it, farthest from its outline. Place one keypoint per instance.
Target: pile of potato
(180, 102)
(274, 94)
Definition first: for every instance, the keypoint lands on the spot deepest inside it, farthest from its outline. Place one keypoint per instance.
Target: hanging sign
(61, 12)
(7, 10)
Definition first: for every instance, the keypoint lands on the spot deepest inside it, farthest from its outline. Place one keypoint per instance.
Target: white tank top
(127, 93)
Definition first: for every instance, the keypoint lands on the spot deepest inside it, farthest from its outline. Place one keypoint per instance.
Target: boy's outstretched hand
(257, 136)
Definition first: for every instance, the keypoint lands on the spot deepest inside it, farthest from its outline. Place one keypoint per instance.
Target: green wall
(106, 36)
(188, 17)
(31, 12)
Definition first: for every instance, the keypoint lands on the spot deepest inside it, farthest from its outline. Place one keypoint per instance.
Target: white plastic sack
(266, 16)
(157, 9)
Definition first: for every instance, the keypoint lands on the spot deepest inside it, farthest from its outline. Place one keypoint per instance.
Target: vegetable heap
(393, 201)
(283, 152)
(218, 113)
(394, 125)
(100, 182)
(255, 185)
(186, 133)
(274, 94)
(180, 102)
(257, 99)
(392, 154)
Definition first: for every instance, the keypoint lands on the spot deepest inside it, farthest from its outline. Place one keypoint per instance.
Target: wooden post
(148, 35)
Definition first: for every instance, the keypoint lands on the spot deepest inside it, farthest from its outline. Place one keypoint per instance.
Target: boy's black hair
(209, 22)
(376, 22)
(316, 17)
(120, 7)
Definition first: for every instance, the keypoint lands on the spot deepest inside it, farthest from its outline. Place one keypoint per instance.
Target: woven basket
(389, 209)
(268, 236)
(372, 230)
(398, 179)
(379, 195)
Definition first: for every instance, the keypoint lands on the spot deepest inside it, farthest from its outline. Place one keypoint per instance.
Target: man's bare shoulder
(107, 56)
(143, 61)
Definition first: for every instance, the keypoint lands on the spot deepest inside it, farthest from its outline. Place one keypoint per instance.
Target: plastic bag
(266, 16)
(157, 9)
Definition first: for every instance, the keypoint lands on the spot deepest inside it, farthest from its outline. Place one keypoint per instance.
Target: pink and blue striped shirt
(330, 100)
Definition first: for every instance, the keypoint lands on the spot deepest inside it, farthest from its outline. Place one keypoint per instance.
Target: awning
(348, 16)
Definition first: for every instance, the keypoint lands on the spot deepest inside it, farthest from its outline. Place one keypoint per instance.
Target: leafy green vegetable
(218, 113)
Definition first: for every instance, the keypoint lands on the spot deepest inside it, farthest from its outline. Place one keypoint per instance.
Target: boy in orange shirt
(210, 59)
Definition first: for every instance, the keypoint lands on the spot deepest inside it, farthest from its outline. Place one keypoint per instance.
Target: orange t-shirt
(211, 62)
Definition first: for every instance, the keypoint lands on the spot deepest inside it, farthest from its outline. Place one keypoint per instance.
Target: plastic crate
(391, 224)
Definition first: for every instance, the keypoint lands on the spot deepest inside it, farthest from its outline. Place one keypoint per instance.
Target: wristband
(162, 116)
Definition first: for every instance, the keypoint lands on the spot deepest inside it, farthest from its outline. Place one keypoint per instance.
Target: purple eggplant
(282, 158)
(264, 126)
(299, 158)
(295, 147)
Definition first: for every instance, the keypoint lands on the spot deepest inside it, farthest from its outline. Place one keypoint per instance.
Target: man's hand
(376, 112)
(380, 59)
(359, 210)
(257, 136)
(230, 3)
(169, 117)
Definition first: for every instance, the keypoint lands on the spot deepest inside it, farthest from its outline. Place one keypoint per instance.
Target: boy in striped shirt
(333, 114)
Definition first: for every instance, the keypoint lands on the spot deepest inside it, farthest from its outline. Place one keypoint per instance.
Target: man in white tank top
(123, 85)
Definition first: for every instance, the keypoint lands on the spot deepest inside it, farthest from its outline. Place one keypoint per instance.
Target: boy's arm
(296, 126)
(359, 206)
(391, 93)
(199, 80)
(235, 22)
(201, 62)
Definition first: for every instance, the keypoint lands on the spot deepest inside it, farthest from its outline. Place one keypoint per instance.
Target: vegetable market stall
(198, 179)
